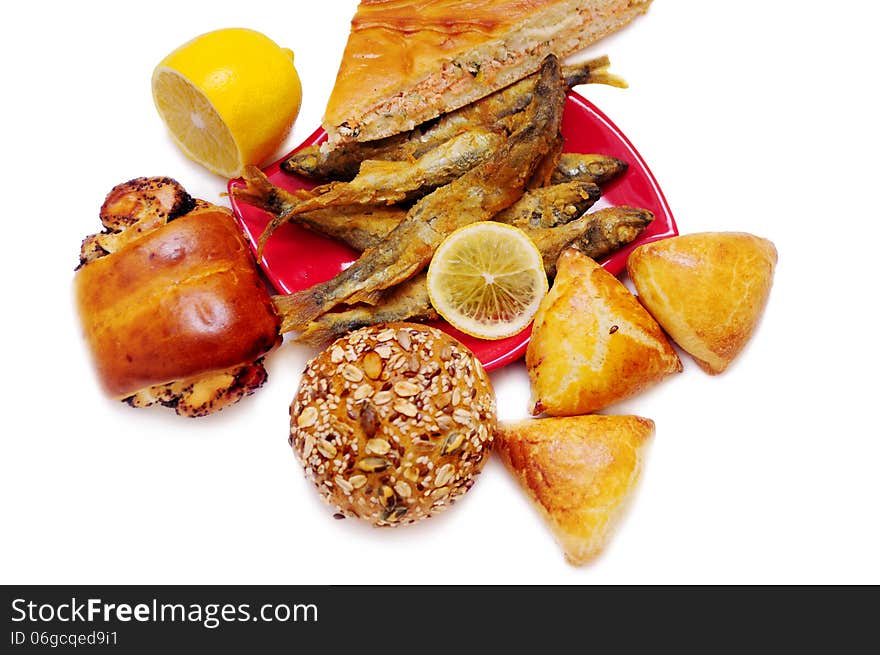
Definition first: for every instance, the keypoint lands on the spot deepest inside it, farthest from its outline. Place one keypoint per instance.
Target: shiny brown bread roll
(176, 314)
(393, 423)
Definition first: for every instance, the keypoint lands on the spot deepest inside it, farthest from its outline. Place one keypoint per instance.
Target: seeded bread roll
(393, 422)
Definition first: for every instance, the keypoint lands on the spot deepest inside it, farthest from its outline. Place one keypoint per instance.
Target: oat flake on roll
(393, 423)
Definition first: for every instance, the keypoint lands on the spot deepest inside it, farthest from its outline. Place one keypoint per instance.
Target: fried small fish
(359, 226)
(550, 206)
(343, 162)
(547, 166)
(389, 182)
(477, 195)
(378, 183)
(598, 169)
(362, 227)
(408, 301)
(596, 235)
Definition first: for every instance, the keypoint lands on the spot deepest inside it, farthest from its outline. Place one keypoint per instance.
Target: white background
(754, 116)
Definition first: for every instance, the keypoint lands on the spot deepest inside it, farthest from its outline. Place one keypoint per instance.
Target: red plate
(295, 258)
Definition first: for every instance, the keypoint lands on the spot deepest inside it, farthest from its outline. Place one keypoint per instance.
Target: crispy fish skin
(550, 206)
(541, 209)
(378, 183)
(407, 301)
(364, 227)
(596, 235)
(547, 165)
(343, 162)
(357, 225)
(388, 182)
(477, 195)
(598, 169)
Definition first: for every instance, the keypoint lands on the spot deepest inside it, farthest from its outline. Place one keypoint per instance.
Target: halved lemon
(228, 98)
(487, 280)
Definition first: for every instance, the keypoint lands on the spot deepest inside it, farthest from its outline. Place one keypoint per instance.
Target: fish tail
(326, 329)
(298, 309)
(594, 71)
(258, 190)
(608, 79)
(373, 297)
(261, 193)
(276, 222)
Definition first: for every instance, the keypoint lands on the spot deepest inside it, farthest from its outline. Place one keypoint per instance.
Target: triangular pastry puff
(579, 471)
(707, 290)
(592, 343)
(407, 61)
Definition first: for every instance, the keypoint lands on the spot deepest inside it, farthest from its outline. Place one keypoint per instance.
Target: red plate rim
(582, 122)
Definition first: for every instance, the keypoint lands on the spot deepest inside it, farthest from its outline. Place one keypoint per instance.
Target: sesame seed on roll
(393, 422)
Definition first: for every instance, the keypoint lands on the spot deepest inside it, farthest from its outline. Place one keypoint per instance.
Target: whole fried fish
(598, 169)
(364, 227)
(477, 195)
(359, 226)
(378, 183)
(343, 162)
(389, 182)
(596, 235)
(550, 206)
(408, 301)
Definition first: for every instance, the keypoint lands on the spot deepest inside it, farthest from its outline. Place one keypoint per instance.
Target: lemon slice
(228, 98)
(487, 280)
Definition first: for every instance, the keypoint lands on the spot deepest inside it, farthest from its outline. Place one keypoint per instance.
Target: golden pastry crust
(179, 302)
(579, 471)
(592, 343)
(393, 423)
(707, 290)
(407, 61)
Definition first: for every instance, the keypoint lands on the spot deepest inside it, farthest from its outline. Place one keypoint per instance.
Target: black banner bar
(256, 619)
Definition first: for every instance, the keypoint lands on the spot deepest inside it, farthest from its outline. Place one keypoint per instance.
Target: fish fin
(276, 222)
(257, 190)
(594, 71)
(608, 79)
(324, 330)
(373, 297)
(297, 309)
(260, 192)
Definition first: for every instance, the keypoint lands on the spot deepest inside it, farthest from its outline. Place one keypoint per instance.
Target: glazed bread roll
(178, 314)
(408, 61)
(393, 423)
(707, 290)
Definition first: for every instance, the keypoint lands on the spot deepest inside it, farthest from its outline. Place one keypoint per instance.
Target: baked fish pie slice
(408, 61)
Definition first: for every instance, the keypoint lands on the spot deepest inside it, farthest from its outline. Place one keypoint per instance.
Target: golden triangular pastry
(707, 290)
(592, 343)
(407, 61)
(579, 471)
